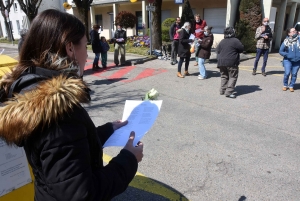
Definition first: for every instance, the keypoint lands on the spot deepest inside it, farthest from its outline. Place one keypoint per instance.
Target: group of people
(100, 46)
(228, 51)
(40, 110)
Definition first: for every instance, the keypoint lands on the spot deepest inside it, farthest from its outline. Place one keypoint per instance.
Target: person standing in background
(198, 31)
(22, 34)
(184, 49)
(105, 48)
(120, 38)
(263, 36)
(96, 46)
(204, 51)
(228, 51)
(290, 50)
(174, 37)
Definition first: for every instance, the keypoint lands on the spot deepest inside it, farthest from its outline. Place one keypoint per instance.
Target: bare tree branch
(30, 8)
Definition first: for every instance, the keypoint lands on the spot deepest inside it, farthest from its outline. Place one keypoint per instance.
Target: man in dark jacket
(96, 46)
(228, 51)
(120, 41)
(204, 51)
(174, 37)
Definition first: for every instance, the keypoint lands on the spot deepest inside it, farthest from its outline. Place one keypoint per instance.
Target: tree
(7, 7)
(249, 19)
(30, 8)
(83, 7)
(187, 14)
(125, 19)
(156, 25)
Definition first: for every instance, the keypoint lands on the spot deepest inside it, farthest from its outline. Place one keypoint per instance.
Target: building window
(16, 7)
(18, 26)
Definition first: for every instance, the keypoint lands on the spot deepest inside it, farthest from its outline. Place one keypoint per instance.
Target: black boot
(95, 67)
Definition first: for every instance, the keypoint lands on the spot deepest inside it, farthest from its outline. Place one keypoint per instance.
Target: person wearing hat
(96, 46)
(228, 51)
(204, 52)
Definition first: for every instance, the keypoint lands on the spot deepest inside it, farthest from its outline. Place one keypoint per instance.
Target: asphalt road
(203, 145)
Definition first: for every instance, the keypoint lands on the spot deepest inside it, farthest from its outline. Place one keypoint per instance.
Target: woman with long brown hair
(42, 112)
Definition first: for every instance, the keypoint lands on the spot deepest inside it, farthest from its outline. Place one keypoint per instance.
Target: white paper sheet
(192, 36)
(140, 115)
(198, 30)
(14, 171)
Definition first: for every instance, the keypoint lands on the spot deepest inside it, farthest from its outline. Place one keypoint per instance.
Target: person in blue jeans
(204, 52)
(263, 35)
(290, 51)
(105, 48)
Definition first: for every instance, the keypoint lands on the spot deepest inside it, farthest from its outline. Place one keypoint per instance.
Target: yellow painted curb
(146, 184)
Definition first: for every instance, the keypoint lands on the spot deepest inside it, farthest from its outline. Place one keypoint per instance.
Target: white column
(180, 10)
(266, 8)
(116, 11)
(144, 16)
(280, 23)
(92, 13)
(292, 15)
(232, 7)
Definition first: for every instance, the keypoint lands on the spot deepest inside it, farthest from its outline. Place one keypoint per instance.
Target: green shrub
(168, 22)
(125, 19)
(165, 34)
(249, 20)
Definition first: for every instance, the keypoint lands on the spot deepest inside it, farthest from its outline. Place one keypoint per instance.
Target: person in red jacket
(198, 31)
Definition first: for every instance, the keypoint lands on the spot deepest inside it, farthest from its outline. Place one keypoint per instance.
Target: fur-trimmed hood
(43, 105)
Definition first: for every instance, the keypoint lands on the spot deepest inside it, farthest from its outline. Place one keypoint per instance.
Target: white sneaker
(200, 77)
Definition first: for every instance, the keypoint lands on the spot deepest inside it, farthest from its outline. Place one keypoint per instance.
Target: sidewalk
(138, 59)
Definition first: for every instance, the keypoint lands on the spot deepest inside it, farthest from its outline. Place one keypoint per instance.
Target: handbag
(192, 50)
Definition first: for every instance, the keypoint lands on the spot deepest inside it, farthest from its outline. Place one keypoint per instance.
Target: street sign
(150, 8)
(179, 1)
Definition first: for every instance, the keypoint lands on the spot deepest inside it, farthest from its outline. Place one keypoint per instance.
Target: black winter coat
(184, 46)
(96, 46)
(228, 51)
(62, 145)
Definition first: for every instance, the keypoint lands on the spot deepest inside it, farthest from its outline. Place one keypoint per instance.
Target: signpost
(150, 9)
(179, 1)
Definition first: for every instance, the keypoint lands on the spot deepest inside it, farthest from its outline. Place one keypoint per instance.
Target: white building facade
(217, 13)
(18, 19)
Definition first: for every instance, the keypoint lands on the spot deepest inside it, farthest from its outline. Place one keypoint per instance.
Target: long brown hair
(45, 43)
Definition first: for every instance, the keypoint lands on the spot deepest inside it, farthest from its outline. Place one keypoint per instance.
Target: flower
(151, 95)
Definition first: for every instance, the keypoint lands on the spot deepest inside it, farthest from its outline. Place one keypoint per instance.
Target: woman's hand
(136, 150)
(118, 124)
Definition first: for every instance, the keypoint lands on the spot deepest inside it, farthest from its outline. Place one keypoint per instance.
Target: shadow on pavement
(147, 189)
(246, 89)
(107, 81)
(275, 72)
